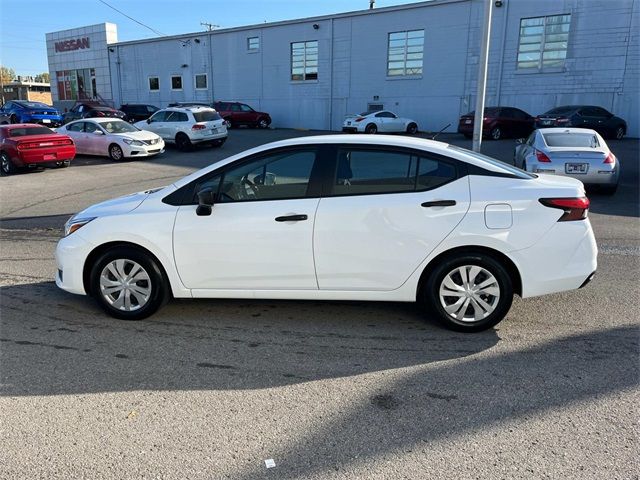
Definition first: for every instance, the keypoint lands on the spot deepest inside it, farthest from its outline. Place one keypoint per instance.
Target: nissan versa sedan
(338, 217)
(113, 138)
(580, 153)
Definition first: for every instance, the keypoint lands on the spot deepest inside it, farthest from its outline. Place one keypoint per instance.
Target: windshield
(23, 131)
(559, 111)
(588, 140)
(118, 127)
(34, 105)
(206, 116)
(492, 161)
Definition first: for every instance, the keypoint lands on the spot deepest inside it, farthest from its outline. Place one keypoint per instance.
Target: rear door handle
(440, 203)
(291, 218)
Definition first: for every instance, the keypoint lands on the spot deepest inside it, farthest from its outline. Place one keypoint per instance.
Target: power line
(133, 19)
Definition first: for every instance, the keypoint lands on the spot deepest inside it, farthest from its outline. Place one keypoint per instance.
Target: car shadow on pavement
(74, 348)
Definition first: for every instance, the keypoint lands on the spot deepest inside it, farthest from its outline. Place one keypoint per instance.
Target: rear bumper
(46, 158)
(597, 175)
(46, 120)
(564, 259)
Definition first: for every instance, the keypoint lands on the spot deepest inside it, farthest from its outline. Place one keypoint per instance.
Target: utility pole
(483, 60)
(210, 26)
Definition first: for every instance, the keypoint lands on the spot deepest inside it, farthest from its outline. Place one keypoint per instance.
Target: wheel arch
(510, 266)
(101, 249)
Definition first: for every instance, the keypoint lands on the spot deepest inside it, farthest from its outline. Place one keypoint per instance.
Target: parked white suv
(187, 126)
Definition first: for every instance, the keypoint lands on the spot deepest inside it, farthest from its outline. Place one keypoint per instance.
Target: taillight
(574, 208)
(562, 120)
(99, 114)
(359, 119)
(611, 159)
(197, 126)
(542, 157)
(26, 146)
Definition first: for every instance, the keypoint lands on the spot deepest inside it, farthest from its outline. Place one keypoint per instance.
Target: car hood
(142, 135)
(116, 206)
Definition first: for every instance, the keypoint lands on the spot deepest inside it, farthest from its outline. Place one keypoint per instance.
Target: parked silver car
(579, 153)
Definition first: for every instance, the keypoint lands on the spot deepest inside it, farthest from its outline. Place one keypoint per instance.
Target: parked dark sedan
(499, 122)
(91, 110)
(24, 111)
(138, 112)
(584, 116)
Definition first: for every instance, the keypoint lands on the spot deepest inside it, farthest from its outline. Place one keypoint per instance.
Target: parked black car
(584, 116)
(138, 112)
(499, 122)
(91, 110)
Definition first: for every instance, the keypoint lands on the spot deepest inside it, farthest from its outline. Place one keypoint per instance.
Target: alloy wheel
(125, 285)
(469, 293)
(619, 133)
(116, 152)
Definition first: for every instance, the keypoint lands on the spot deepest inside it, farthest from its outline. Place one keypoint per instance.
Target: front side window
(176, 82)
(154, 84)
(304, 60)
(405, 53)
(277, 176)
(543, 42)
(361, 171)
(201, 81)
(158, 117)
(253, 43)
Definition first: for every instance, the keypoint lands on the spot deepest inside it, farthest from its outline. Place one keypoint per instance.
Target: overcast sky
(23, 23)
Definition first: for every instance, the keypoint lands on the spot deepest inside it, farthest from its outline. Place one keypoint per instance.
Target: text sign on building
(71, 45)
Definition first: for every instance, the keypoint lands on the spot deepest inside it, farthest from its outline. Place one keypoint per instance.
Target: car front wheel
(128, 283)
(619, 133)
(468, 293)
(262, 123)
(115, 152)
(496, 133)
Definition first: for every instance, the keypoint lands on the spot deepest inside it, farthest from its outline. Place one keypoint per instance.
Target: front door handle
(440, 203)
(291, 218)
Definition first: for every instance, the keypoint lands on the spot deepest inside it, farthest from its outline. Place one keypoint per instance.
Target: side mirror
(520, 141)
(206, 199)
(148, 120)
(98, 132)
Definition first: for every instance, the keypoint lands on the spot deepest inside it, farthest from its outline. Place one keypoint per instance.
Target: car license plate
(46, 120)
(546, 122)
(214, 130)
(576, 167)
(348, 123)
(51, 156)
(468, 121)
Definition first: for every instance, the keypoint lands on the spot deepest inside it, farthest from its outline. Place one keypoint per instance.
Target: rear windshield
(492, 161)
(118, 127)
(34, 105)
(24, 131)
(588, 140)
(488, 112)
(206, 116)
(559, 111)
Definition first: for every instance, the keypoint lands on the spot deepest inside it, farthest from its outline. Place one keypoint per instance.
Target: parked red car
(33, 146)
(499, 122)
(236, 113)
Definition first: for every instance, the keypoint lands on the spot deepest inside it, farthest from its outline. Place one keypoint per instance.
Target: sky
(23, 24)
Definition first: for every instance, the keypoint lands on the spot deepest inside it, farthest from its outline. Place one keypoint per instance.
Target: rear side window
(361, 171)
(206, 116)
(25, 131)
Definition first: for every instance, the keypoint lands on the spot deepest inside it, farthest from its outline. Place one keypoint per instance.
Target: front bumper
(71, 255)
(143, 151)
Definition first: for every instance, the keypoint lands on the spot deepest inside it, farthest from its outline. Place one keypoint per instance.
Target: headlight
(74, 224)
(130, 141)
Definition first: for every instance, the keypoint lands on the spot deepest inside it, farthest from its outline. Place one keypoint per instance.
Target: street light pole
(483, 60)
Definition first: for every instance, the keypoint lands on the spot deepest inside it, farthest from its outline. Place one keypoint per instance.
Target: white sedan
(112, 137)
(378, 122)
(338, 217)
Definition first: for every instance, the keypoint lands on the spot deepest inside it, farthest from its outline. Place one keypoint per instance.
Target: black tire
(218, 143)
(412, 128)
(183, 142)
(13, 118)
(6, 165)
(430, 292)
(228, 123)
(619, 132)
(262, 123)
(495, 133)
(158, 282)
(371, 129)
(468, 136)
(524, 165)
(115, 152)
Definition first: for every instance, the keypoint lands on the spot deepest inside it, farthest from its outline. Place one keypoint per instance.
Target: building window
(176, 82)
(76, 84)
(154, 84)
(253, 43)
(201, 81)
(304, 60)
(543, 42)
(405, 53)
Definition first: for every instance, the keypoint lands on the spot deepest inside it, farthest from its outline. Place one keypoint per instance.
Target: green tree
(42, 77)
(7, 74)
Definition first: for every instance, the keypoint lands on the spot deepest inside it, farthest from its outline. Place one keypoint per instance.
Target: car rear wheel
(128, 283)
(468, 293)
(183, 142)
(619, 132)
(371, 129)
(496, 133)
(6, 165)
(412, 128)
(115, 152)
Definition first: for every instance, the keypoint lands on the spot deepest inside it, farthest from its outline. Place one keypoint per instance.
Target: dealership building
(418, 60)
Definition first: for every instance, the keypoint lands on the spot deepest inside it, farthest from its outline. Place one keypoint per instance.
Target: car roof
(566, 130)
(194, 108)
(363, 140)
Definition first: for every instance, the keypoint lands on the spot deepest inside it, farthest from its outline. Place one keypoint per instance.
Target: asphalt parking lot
(209, 389)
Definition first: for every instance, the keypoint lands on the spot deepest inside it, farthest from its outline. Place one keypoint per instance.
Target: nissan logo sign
(70, 45)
